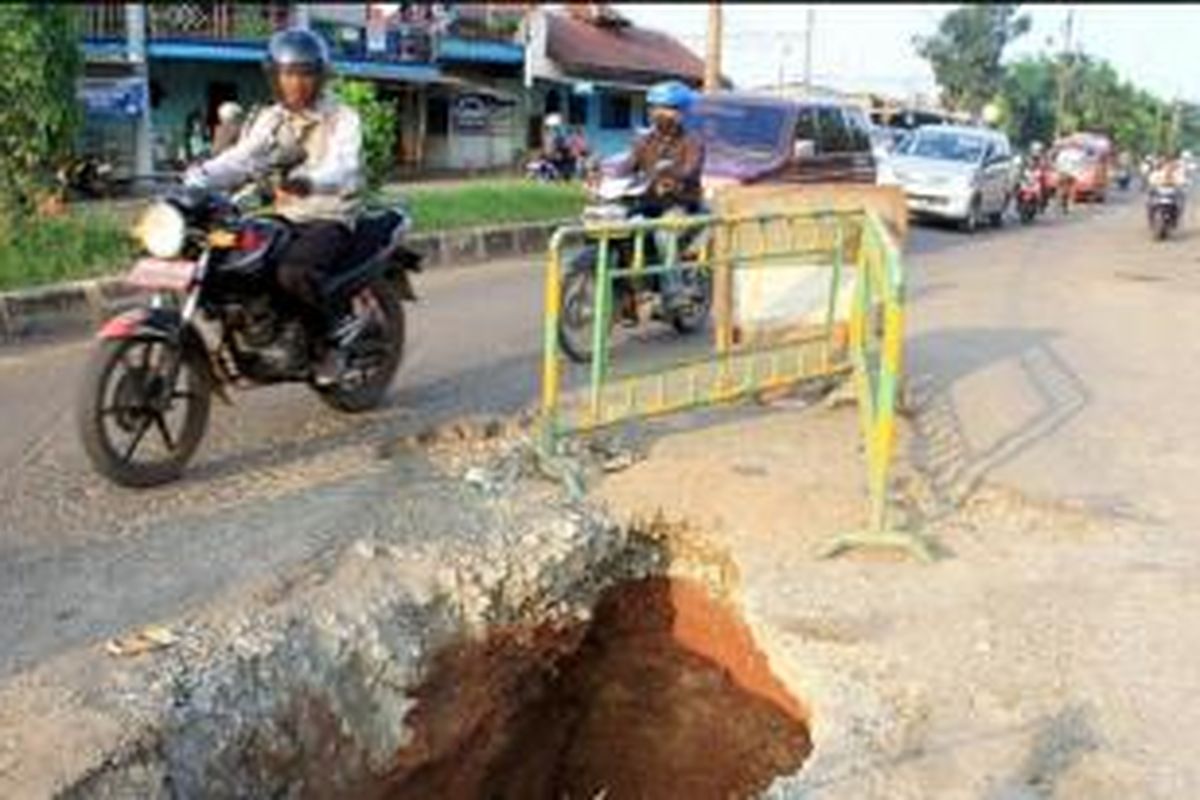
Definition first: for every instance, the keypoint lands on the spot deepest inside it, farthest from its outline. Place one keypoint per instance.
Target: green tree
(1028, 93)
(966, 50)
(1096, 100)
(1189, 133)
(39, 110)
(379, 127)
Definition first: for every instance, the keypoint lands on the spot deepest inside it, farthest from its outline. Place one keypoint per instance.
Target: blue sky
(861, 46)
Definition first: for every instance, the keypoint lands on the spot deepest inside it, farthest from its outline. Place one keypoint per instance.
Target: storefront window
(437, 116)
(616, 112)
(577, 110)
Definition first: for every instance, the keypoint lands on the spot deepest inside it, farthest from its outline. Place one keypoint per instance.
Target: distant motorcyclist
(1169, 172)
(1037, 155)
(314, 143)
(556, 147)
(672, 158)
(230, 116)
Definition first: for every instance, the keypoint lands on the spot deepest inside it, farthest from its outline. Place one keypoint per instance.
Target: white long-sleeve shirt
(330, 135)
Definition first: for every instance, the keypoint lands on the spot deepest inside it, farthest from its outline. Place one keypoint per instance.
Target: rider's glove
(298, 185)
(195, 178)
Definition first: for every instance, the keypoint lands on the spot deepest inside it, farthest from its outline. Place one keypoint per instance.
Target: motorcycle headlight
(162, 230)
(606, 212)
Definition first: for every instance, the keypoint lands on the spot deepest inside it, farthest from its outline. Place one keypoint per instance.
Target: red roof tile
(583, 49)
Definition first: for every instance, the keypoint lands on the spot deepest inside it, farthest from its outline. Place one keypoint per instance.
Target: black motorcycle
(216, 319)
(1164, 205)
(616, 199)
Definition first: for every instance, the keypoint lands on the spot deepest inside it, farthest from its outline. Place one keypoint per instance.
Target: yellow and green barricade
(799, 296)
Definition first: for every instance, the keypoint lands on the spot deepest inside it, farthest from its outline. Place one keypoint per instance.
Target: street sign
(472, 113)
(120, 97)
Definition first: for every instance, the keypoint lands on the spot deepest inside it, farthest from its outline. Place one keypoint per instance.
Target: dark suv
(752, 139)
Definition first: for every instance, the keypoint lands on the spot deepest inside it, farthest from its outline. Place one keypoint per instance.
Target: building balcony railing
(216, 20)
(204, 21)
(413, 38)
(102, 20)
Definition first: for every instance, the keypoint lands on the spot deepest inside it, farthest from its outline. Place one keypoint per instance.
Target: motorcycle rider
(673, 158)
(1041, 168)
(315, 144)
(555, 148)
(1168, 172)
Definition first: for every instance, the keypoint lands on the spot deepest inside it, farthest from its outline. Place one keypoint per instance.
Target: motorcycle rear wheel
(693, 318)
(381, 346)
(124, 395)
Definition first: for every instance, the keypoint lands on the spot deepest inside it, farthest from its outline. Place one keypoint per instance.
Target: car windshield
(945, 146)
(737, 132)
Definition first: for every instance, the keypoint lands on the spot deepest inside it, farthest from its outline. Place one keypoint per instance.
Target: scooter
(1164, 207)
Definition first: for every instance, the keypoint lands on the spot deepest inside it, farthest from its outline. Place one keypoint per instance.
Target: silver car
(957, 173)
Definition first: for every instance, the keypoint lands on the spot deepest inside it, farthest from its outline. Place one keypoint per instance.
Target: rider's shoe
(342, 334)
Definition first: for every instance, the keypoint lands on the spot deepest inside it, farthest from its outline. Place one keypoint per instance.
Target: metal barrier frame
(875, 359)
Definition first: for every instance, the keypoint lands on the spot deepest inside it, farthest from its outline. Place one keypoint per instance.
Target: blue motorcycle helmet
(671, 94)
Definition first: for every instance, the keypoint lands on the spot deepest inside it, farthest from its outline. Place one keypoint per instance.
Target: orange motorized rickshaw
(1082, 166)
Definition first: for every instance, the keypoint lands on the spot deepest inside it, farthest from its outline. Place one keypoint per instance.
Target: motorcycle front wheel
(577, 309)
(140, 418)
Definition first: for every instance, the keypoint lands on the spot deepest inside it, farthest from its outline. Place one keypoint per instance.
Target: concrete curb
(70, 308)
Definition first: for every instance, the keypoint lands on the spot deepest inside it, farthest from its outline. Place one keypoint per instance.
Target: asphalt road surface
(1057, 358)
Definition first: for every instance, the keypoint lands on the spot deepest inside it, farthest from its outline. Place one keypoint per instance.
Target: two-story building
(593, 66)
(453, 71)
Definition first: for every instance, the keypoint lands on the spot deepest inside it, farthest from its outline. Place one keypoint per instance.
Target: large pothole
(665, 695)
(574, 659)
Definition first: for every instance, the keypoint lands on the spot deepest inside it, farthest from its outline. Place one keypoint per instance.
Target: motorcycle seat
(372, 233)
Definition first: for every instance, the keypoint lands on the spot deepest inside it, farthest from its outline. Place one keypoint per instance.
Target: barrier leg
(877, 405)
(600, 329)
(552, 310)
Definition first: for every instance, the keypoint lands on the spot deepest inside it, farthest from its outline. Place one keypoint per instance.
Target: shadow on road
(503, 387)
(941, 448)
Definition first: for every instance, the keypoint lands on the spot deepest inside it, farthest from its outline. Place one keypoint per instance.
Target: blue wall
(185, 87)
(603, 141)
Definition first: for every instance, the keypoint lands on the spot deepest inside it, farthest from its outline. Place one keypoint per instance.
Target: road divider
(74, 307)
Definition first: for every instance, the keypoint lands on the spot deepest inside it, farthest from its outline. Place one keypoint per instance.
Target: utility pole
(1064, 74)
(712, 61)
(1176, 125)
(135, 38)
(809, 18)
(785, 53)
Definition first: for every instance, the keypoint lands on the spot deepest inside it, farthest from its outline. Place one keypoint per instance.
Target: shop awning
(385, 71)
(251, 53)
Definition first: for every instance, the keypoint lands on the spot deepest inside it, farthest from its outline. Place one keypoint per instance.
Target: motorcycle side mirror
(804, 148)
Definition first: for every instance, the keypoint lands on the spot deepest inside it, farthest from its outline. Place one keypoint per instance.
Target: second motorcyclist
(673, 159)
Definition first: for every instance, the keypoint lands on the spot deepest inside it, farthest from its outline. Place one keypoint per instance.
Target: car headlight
(162, 230)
